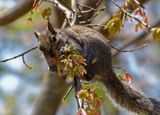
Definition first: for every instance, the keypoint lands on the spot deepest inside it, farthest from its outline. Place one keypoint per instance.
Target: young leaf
(46, 13)
(156, 33)
(114, 26)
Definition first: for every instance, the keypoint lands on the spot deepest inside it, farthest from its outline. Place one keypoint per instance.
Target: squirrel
(93, 45)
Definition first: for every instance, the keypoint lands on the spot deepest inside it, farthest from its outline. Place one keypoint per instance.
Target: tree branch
(78, 87)
(17, 11)
(20, 55)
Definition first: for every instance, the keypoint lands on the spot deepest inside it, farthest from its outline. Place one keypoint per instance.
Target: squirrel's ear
(37, 34)
(51, 29)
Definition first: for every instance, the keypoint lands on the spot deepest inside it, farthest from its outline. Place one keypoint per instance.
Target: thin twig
(67, 93)
(78, 87)
(93, 17)
(139, 4)
(97, 12)
(91, 25)
(64, 25)
(129, 7)
(130, 50)
(132, 41)
(19, 55)
(130, 15)
(120, 67)
(90, 8)
(24, 62)
(74, 13)
(80, 12)
(98, 3)
(88, 11)
(90, 19)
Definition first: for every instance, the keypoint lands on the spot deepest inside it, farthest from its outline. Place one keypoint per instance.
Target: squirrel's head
(50, 43)
(47, 40)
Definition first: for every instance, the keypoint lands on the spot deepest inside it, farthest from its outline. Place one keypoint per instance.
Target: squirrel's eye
(41, 48)
(53, 38)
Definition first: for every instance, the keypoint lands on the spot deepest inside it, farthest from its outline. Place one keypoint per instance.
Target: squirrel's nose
(52, 67)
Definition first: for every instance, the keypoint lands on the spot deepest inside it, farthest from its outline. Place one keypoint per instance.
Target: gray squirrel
(93, 45)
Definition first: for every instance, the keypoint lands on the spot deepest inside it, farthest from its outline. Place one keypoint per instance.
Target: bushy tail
(156, 106)
(128, 97)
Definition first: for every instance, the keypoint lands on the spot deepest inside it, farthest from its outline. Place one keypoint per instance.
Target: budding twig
(130, 15)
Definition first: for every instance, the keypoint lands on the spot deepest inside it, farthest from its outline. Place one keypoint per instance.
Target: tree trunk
(51, 96)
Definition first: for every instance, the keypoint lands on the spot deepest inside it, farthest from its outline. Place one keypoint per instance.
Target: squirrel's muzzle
(52, 67)
(52, 62)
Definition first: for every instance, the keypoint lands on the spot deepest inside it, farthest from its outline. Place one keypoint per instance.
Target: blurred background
(20, 86)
